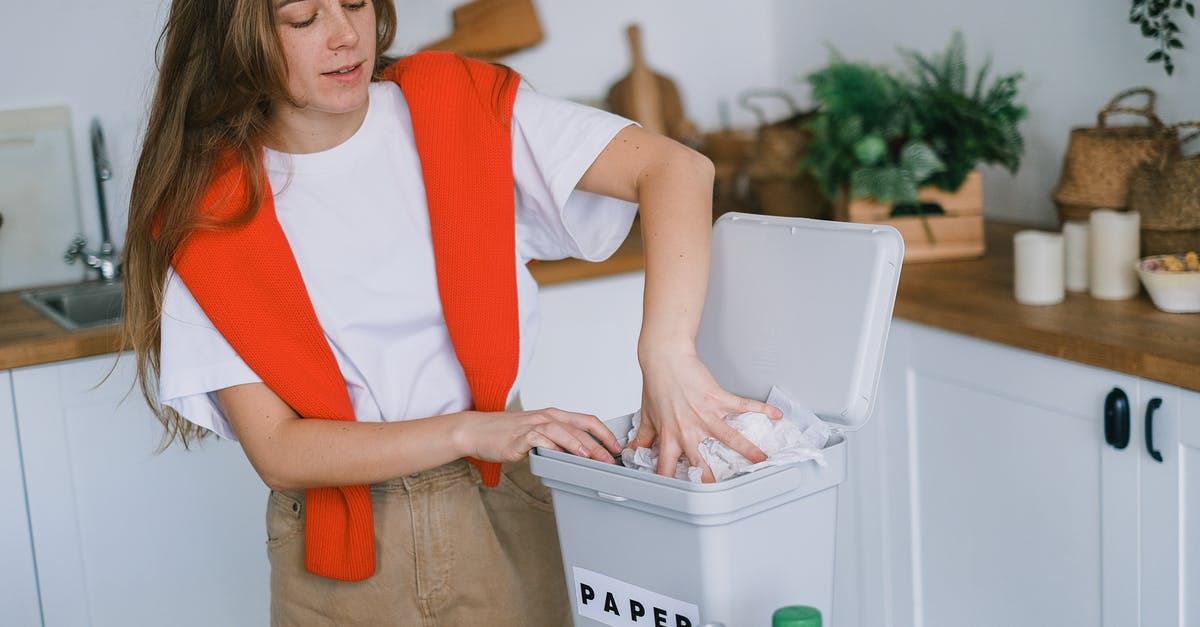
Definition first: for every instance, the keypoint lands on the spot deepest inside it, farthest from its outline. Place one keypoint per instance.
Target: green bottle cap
(796, 616)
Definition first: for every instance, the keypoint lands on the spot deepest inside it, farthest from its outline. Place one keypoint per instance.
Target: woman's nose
(343, 34)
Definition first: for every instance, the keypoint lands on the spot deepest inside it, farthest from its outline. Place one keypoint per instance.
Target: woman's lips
(348, 74)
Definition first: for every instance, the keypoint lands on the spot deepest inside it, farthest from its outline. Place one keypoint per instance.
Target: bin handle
(611, 497)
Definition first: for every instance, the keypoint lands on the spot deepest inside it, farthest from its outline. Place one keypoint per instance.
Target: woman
(331, 270)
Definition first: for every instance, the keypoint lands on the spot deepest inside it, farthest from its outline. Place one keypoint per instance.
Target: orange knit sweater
(246, 280)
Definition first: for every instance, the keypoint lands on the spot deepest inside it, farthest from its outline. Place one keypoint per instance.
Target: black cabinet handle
(1116, 418)
(1154, 404)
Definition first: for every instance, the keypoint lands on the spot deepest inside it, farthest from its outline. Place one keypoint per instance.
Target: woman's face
(329, 46)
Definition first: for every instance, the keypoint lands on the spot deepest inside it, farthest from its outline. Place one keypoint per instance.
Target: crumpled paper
(799, 436)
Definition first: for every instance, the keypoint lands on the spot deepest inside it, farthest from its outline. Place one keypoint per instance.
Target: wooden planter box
(956, 235)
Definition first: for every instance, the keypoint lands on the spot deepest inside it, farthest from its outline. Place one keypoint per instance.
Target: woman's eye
(305, 23)
(354, 6)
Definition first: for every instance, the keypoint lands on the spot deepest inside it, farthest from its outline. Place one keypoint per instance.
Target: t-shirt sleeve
(554, 142)
(196, 361)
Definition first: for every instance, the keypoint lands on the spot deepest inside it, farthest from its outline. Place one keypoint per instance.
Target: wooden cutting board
(490, 29)
(647, 97)
(38, 197)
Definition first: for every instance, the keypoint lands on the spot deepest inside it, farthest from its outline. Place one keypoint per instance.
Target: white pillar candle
(1113, 250)
(1075, 240)
(1038, 267)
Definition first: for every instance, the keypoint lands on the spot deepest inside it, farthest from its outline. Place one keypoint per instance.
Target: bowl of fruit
(1173, 281)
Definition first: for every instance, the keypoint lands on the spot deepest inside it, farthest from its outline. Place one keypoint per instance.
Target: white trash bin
(802, 304)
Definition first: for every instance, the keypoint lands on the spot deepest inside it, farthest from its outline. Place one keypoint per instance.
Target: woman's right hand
(509, 436)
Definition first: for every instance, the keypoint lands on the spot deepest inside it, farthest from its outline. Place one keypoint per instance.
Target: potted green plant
(902, 148)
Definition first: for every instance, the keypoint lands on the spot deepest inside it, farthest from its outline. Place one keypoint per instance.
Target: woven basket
(1166, 193)
(776, 186)
(1100, 160)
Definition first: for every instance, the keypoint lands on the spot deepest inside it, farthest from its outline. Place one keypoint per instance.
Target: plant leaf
(920, 160)
(870, 149)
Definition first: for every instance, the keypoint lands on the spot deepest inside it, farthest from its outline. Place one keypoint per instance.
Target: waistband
(457, 470)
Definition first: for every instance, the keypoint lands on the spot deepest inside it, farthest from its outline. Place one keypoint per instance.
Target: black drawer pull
(1153, 405)
(1116, 418)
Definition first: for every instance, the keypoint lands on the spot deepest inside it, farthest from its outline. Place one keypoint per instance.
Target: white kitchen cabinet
(1170, 508)
(1188, 536)
(122, 535)
(18, 581)
(585, 359)
(1002, 503)
(1005, 503)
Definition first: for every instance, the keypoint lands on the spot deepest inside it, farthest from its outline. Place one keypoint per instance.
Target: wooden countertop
(28, 338)
(976, 298)
(970, 297)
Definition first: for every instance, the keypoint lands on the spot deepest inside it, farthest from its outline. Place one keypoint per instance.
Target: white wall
(1075, 55)
(97, 57)
(712, 49)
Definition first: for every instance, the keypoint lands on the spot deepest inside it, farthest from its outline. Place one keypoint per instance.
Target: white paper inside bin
(695, 503)
(802, 304)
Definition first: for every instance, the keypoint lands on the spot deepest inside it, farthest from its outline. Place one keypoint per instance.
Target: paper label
(612, 602)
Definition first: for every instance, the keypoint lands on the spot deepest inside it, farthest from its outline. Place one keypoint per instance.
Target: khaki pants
(450, 552)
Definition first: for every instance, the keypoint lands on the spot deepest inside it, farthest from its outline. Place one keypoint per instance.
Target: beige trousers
(450, 552)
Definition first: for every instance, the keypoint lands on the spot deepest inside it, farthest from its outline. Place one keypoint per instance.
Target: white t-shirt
(356, 219)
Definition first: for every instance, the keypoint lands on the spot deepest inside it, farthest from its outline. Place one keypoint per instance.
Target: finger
(696, 459)
(589, 424)
(744, 405)
(668, 458)
(602, 433)
(645, 435)
(595, 449)
(565, 437)
(536, 440)
(739, 443)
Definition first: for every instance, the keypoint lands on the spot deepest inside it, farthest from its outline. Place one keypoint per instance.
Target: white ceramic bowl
(1174, 291)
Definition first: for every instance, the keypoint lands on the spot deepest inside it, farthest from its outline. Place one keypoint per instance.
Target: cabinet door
(1006, 504)
(18, 580)
(1189, 511)
(1158, 424)
(124, 536)
(1170, 538)
(585, 356)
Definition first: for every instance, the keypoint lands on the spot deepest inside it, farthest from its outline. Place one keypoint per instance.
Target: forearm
(676, 215)
(288, 451)
(312, 453)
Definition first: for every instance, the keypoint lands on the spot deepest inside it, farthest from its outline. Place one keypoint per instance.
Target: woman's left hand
(682, 405)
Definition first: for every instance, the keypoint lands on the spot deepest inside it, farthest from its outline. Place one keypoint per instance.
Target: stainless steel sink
(81, 306)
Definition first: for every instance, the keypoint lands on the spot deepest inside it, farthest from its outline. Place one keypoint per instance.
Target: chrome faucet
(106, 261)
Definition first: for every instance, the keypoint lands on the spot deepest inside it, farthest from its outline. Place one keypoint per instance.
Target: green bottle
(796, 616)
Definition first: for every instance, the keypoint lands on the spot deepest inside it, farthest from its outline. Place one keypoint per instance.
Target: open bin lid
(802, 304)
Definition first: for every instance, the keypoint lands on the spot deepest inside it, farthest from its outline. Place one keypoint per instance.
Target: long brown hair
(220, 68)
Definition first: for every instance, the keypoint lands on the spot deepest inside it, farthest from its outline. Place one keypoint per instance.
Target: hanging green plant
(1156, 19)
